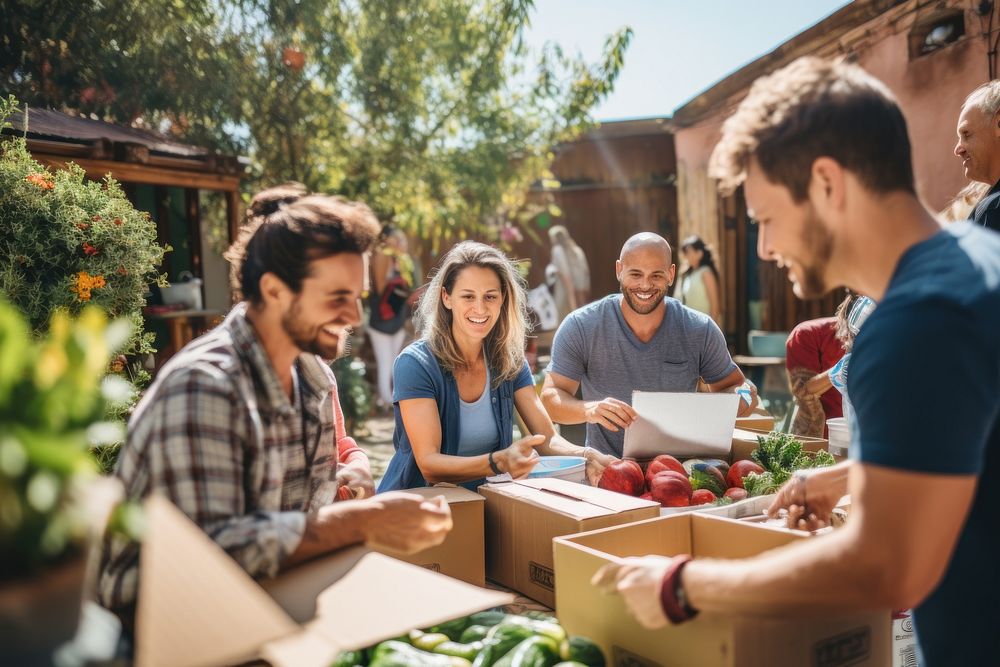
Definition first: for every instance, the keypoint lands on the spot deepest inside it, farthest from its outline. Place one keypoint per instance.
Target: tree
(432, 111)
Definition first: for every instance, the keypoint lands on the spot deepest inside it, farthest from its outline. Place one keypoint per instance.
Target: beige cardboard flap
(608, 500)
(452, 494)
(304, 649)
(196, 605)
(383, 598)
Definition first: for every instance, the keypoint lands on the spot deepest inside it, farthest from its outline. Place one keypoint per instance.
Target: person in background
(699, 284)
(568, 273)
(392, 281)
(822, 151)
(638, 340)
(811, 350)
(242, 430)
(456, 389)
(979, 148)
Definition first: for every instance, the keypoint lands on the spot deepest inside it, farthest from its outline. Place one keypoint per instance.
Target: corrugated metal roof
(48, 124)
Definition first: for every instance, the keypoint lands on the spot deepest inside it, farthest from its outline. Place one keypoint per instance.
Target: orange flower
(118, 222)
(96, 218)
(44, 181)
(82, 283)
(83, 225)
(122, 271)
(89, 250)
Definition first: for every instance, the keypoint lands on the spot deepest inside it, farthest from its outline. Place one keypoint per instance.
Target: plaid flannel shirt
(217, 435)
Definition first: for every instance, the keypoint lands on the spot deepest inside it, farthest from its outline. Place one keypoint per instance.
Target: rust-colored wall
(613, 185)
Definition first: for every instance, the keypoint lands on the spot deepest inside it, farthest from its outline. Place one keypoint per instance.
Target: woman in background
(699, 284)
(392, 281)
(457, 387)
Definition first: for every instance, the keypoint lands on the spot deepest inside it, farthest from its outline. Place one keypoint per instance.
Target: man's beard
(818, 243)
(308, 339)
(643, 307)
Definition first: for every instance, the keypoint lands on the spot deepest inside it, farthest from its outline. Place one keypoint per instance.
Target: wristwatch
(493, 465)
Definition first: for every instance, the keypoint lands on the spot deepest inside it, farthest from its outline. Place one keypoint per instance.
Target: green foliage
(434, 113)
(354, 390)
(780, 454)
(67, 243)
(52, 405)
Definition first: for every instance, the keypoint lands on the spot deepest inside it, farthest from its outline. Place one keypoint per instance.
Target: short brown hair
(816, 108)
(287, 228)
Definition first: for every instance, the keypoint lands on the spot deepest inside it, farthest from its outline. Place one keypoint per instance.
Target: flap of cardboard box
(576, 500)
(452, 494)
(198, 607)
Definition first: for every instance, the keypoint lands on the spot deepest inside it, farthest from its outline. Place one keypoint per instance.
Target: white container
(570, 468)
(840, 436)
(748, 507)
(187, 293)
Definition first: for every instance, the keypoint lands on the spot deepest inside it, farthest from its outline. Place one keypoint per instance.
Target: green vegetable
(426, 641)
(349, 659)
(780, 454)
(453, 629)
(538, 615)
(548, 628)
(703, 480)
(501, 640)
(487, 618)
(537, 651)
(569, 663)
(724, 500)
(474, 633)
(400, 654)
(582, 650)
(468, 651)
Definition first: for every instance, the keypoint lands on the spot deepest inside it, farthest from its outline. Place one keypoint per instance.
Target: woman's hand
(521, 457)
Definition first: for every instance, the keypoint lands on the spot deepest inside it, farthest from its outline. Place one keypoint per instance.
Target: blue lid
(553, 465)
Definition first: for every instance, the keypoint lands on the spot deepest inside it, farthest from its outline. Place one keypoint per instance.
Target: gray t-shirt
(595, 347)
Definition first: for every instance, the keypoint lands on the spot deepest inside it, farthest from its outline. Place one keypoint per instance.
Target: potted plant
(54, 397)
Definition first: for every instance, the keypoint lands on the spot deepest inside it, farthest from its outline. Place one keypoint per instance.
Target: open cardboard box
(198, 607)
(708, 640)
(760, 421)
(745, 441)
(462, 554)
(523, 517)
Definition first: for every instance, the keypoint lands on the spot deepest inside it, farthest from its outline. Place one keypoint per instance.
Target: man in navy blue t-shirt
(822, 151)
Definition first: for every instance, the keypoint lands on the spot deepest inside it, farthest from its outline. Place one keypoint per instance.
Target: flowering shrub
(66, 243)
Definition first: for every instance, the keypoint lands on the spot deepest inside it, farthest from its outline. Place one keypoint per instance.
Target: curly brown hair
(287, 227)
(816, 108)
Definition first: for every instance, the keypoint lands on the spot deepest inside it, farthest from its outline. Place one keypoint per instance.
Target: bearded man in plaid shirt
(242, 429)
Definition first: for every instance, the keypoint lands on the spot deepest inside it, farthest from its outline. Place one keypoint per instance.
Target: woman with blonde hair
(456, 388)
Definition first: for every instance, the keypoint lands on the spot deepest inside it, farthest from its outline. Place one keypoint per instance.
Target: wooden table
(185, 324)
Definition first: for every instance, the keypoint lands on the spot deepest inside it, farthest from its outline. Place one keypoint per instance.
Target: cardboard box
(859, 640)
(198, 607)
(745, 441)
(763, 422)
(522, 518)
(462, 555)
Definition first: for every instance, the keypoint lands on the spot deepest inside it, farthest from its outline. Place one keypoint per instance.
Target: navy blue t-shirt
(925, 384)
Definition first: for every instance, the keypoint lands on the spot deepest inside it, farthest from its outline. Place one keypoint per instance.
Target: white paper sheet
(681, 424)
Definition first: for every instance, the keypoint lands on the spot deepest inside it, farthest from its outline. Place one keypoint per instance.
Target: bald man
(639, 340)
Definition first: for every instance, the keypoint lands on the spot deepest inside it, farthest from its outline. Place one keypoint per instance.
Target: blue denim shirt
(417, 374)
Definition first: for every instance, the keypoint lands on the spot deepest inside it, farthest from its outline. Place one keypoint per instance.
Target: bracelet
(493, 465)
(673, 598)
